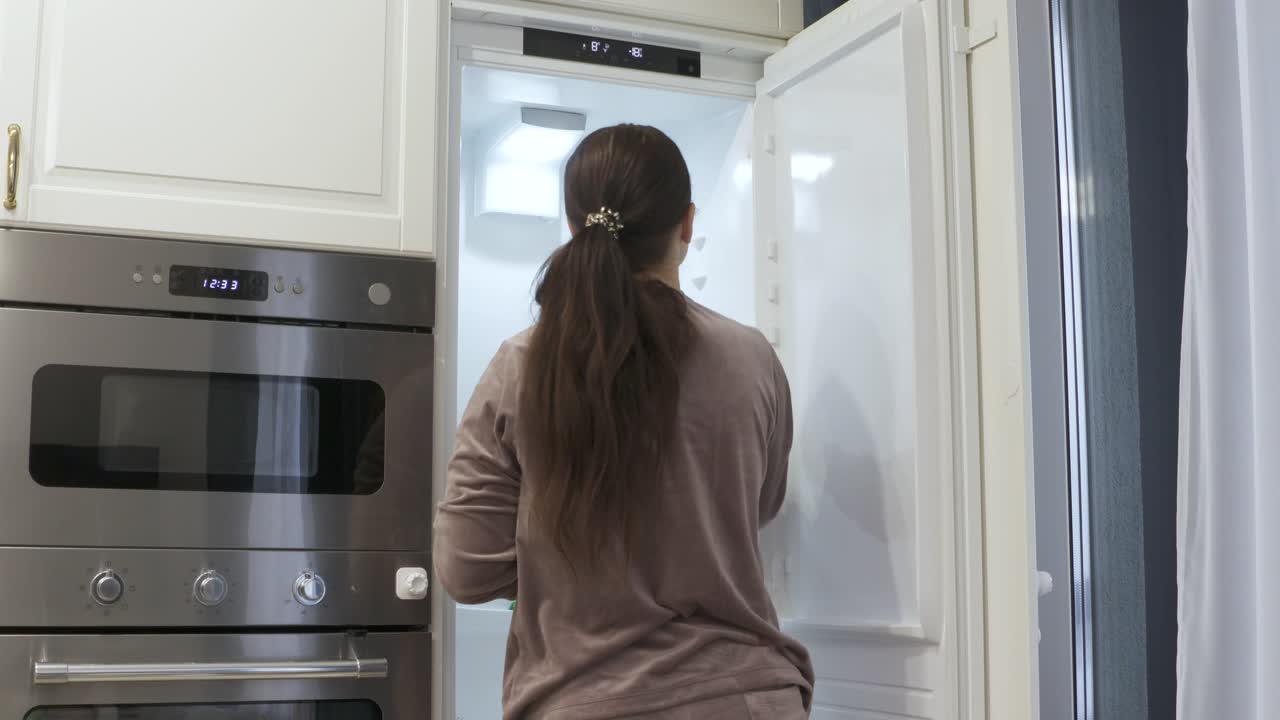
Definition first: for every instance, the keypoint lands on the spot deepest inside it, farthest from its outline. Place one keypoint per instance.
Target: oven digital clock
(193, 281)
(607, 51)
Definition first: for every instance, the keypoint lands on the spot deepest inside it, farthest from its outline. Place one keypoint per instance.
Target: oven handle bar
(47, 673)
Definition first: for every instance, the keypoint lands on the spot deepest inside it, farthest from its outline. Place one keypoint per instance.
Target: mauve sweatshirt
(689, 618)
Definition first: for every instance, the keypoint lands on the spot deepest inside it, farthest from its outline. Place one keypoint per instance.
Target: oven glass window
(318, 710)
(168, 430)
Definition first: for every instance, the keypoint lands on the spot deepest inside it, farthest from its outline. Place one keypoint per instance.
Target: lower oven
(234, 676)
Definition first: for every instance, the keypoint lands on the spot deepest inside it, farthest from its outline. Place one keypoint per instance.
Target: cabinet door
(283, 121)
(17, 83)
(870, 561)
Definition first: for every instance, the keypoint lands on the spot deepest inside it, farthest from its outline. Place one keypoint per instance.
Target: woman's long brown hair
(601, 381)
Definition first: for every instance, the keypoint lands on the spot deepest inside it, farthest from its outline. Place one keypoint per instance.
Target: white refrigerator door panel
(855, 293)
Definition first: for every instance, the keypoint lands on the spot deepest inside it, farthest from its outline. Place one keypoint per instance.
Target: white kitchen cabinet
(770, 18)
(279, 122)
(832, 199)
(17, 80)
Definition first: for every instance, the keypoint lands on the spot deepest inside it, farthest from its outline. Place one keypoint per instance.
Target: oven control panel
(89, 587)
(211, 280)
(254, 286)
(304, 286)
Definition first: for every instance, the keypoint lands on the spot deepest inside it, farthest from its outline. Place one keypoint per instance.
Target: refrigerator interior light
(808, 168)
(742, 174)
(520, 173)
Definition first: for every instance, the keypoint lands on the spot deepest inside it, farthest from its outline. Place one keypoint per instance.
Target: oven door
(215, 677)
(156, 431)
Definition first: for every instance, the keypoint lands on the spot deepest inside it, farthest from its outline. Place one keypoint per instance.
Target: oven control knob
(309, 588)
(210, 588)
(106, 588)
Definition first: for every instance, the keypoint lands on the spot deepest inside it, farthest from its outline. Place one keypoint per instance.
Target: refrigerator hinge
(967, 39)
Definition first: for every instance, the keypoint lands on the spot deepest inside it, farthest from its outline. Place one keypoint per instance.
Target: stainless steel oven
(141, 409)
(215, 480)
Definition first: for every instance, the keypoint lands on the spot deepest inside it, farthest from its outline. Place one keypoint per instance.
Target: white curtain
(1229, 469)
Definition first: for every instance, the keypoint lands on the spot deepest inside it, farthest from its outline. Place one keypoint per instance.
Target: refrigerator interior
(510, 219)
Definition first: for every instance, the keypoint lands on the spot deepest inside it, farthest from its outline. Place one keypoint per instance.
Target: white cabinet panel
(17, 82)
(863, 561)
(762, 16)
(287, 94)
(770, 18)
(279, 121)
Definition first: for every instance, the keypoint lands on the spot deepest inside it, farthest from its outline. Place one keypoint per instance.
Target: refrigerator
(831, 180)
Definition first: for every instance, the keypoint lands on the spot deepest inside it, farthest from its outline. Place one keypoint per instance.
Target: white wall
(720, 269)
(499, 263)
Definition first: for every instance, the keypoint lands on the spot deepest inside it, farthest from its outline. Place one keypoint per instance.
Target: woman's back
(615, 466)
(689, 616)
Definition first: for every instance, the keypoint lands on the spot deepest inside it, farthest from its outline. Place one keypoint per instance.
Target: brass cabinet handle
(11, 189)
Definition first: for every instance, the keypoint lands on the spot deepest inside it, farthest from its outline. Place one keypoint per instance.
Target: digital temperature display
(604, 51)
(604, 47)
(193, 281)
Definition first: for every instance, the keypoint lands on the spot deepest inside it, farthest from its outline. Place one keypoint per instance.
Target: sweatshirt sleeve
(475, 526)
(778, 453)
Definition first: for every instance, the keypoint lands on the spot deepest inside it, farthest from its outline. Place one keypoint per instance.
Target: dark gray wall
(1154, 42)
(815, 9)
(1128, 59)
(1112, 415)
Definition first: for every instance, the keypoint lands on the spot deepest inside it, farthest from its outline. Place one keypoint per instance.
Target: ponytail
(602, 376)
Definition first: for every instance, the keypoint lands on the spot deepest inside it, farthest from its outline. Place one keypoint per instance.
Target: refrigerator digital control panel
(608, 51)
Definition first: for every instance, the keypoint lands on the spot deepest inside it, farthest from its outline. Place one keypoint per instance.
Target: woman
(615, 466)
